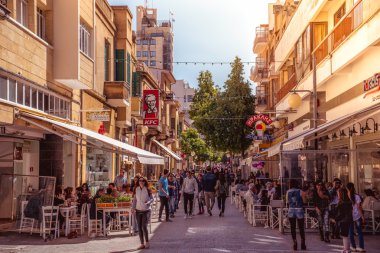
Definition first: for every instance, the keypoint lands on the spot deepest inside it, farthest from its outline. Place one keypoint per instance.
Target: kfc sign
(151, 100)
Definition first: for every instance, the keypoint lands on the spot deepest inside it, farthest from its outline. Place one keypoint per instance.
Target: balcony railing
(289, 85)
(261, 34)
(358, 15)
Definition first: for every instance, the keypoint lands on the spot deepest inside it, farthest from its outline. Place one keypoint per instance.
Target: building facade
(327, 73)
(184, 94)
(65, 101)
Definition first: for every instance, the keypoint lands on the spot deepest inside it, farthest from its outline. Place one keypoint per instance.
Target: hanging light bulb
(334, 137)
(342, 134)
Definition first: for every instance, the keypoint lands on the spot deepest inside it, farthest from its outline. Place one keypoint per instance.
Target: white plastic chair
(77, 222)
(274, 219)
(260, 216)
(50, 221)
(373, 214)
(26, 223)
(93, 224)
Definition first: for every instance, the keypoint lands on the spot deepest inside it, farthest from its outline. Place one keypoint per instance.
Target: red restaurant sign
(151, 100)
(264, 118)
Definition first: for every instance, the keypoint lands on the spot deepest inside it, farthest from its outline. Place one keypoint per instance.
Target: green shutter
(120, 66)
(128, 68)
(136, 84)
(106, 62)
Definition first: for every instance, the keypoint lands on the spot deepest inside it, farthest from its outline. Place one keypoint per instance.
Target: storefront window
(99, 168)
(340, 164)
(368, 157)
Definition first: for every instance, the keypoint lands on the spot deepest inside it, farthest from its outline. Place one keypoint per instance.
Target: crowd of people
(338, 208)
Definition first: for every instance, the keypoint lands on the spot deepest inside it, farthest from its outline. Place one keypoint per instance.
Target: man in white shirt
(189, 190)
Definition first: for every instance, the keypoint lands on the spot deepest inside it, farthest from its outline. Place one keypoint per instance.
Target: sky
(209, 30)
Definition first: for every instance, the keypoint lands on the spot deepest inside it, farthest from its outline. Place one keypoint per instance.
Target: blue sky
(209, 30)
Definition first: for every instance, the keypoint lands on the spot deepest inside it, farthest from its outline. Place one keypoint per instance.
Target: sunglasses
(141, 181)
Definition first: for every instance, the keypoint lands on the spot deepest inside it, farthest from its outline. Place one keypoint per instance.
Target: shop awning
(143, 156)
(297, 142)
(274, 150)
(168, 151)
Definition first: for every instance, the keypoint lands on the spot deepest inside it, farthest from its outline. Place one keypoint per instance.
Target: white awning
(167, 150)
(274, 150)
(296, 143)
(144, 156)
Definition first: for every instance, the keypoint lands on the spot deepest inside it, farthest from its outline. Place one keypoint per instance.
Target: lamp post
(295, 99)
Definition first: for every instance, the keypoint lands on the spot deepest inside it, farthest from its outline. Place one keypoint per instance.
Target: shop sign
(98, 116)
(151, 100)
(259, 117)
(370, 84)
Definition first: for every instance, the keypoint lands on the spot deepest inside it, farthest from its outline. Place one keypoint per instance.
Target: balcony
(259, 72)
(289, 85)
(261, 39)
(3, 7)
(117, 93)
(261, 98)
(362, 12)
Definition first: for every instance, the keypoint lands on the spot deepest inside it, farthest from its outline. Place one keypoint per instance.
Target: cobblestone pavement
(231, 233)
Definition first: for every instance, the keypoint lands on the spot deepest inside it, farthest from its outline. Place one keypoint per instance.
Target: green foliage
(124, 199)
(110, 199)
(220, 116)
(191, 142)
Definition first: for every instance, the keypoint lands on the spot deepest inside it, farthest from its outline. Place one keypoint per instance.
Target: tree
(203, 106)
(234, 106)
(191, 142)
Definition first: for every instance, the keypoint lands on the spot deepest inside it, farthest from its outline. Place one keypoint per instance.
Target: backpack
(222, 191)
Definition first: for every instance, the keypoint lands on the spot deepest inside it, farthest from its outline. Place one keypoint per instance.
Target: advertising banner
(151, 101)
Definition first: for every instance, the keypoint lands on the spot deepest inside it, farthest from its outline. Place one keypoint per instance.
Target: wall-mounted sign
(151, 100)
(370, 84)
(98, 116)
(262, 117)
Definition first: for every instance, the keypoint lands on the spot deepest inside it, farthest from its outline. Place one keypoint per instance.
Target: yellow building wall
(86, 70)
(87, 12)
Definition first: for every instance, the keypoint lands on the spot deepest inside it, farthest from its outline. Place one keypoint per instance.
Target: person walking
(221, 190)
(344, 217)
(321, 202)
(172, 194)
(296, 213)
(189, 190)
(209, 182)
(333, 203)
(141, 206)
(201, 195)
(163, 187)
(358, 218)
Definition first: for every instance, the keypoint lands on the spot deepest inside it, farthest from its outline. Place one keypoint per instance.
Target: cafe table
(67, 212)
(115, 209)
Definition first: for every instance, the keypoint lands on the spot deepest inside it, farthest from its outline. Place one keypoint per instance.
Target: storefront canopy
(274, 150)
(167, 150)
(143, 156)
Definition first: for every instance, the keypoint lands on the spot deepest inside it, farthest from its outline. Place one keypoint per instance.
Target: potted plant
(124, 201)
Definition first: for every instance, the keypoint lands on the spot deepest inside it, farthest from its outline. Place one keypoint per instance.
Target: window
(146, 63)
(27, 95)
(152, 53)
(20, 93)
(138, 53)
(34, 98)
(120, 66)
(152, 63)
(3, 88)
(189, 98)
(46, 103)
(145, 42)
(41, 24)
(107, 48)
(40, 101)
(339, 14)
(145, 54)
(85, 40)
(138, 42)
(153, 42)
(22, 12)
(12, 91)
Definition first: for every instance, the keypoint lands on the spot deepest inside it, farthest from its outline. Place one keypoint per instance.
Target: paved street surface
(200, 234)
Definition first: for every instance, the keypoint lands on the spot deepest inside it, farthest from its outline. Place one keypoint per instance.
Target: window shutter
(129, 68)
(136, 84)
(120, 67)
